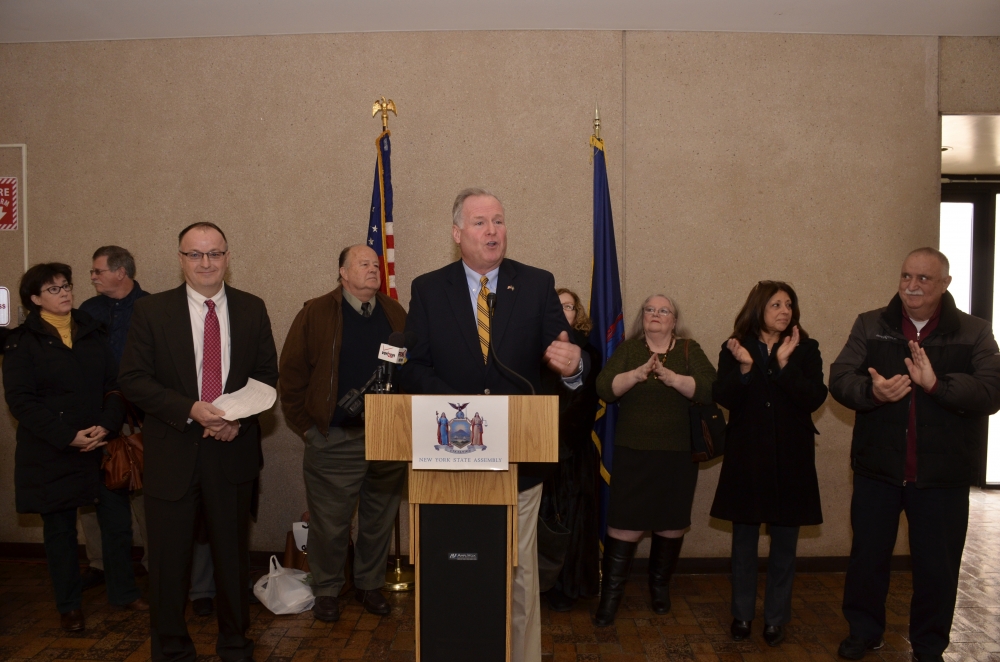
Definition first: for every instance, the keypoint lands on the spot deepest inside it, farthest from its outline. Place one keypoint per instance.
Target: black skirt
(651, 490)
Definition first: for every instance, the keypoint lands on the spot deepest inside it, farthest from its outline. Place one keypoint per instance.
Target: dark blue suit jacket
(446, 356)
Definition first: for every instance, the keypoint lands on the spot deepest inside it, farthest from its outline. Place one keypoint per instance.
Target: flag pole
(385, 107)
(606, 314)
(400, 576)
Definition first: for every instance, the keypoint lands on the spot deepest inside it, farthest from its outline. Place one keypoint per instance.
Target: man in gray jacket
(922, 377)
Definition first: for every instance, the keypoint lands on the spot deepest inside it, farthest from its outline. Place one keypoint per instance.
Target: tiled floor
(695, 630)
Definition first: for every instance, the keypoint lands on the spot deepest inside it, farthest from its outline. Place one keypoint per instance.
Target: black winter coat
(951, 422)
(53, 392)
(571, 489)
(769, 469)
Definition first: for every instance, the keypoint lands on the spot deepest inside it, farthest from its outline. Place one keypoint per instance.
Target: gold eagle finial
(385, 107)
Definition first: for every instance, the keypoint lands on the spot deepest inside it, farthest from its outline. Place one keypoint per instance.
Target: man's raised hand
(563, 356)
(893, 389)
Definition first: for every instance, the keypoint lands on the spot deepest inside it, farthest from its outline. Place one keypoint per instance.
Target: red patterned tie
(211, 363)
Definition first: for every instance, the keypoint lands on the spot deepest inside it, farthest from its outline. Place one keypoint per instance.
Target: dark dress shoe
(373, 601)
(91, 577)
(559, 601)
(139, 604)
(203, 606)
(774, 634)
(326, 608)
(72, 621)
(927, 657)
(854, 648)
(740, 630)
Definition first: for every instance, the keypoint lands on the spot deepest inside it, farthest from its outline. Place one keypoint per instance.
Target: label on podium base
(460, 433)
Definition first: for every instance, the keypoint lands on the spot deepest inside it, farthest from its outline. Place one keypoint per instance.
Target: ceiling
(84, 20)
(973, 143)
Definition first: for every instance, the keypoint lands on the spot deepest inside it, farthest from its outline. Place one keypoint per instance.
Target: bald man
(922, 377)
(331, 348)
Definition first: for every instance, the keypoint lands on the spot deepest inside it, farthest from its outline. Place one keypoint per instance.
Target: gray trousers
(780, 572)
(338, 479)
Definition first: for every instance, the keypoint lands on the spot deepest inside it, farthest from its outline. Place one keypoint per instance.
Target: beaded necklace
(663, 361)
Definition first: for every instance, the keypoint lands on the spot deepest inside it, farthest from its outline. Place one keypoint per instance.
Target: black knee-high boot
(663, 553)
(614, 570)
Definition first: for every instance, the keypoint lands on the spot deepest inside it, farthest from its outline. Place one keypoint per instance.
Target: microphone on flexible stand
(491, 300)
(391, 354)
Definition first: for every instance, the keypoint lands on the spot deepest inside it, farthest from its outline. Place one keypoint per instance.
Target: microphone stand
(400, 576)
(491, 300)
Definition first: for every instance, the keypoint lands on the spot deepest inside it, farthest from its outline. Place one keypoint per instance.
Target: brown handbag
(708, 426)
(122, 463)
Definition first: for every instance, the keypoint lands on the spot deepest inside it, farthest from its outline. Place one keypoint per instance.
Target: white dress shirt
(475, 285)
(198, 310)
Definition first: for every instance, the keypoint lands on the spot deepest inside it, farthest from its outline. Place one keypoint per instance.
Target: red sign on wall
(8, 203)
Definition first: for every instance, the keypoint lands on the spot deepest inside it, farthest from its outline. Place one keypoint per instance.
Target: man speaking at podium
(449, 319)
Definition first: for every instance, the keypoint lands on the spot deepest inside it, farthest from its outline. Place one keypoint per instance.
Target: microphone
(491, 300)
(353, 402)
(391, 354)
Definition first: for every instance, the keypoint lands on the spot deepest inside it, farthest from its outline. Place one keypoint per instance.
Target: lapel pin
(510, 287)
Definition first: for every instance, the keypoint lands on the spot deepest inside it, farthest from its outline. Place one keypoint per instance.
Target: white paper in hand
(250, 400)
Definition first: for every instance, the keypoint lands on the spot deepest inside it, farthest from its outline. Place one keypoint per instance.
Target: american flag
(380, 237)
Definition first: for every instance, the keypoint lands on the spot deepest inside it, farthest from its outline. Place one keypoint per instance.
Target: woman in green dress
(654, 375)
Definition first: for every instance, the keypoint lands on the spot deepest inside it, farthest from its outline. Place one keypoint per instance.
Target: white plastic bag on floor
(284, 590)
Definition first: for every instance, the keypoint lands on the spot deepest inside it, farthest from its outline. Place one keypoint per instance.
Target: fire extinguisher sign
(8, 203)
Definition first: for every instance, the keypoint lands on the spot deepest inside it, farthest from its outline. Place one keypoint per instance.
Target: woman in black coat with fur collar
(57, 370)
(770, 380)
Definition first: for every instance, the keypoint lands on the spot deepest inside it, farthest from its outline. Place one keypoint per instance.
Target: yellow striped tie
(483, 317)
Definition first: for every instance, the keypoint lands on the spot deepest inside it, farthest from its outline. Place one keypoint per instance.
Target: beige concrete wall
(970, 75)
(272, 138)
(732, 157)
(11, 268)
(784, 157)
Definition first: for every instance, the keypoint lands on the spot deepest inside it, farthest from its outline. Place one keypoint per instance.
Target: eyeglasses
(98, 272)
(569, 306)
(55, 289)
(195, 256)
(659, 312)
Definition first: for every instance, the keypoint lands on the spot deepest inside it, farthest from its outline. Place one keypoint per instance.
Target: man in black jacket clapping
(922, 377)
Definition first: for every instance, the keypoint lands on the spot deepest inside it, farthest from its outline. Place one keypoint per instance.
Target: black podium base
(463, 583)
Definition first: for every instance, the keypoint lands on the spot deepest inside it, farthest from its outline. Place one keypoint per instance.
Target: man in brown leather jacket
(331, 348)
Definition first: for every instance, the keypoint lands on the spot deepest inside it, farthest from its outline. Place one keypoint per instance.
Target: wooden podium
(533, 436)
